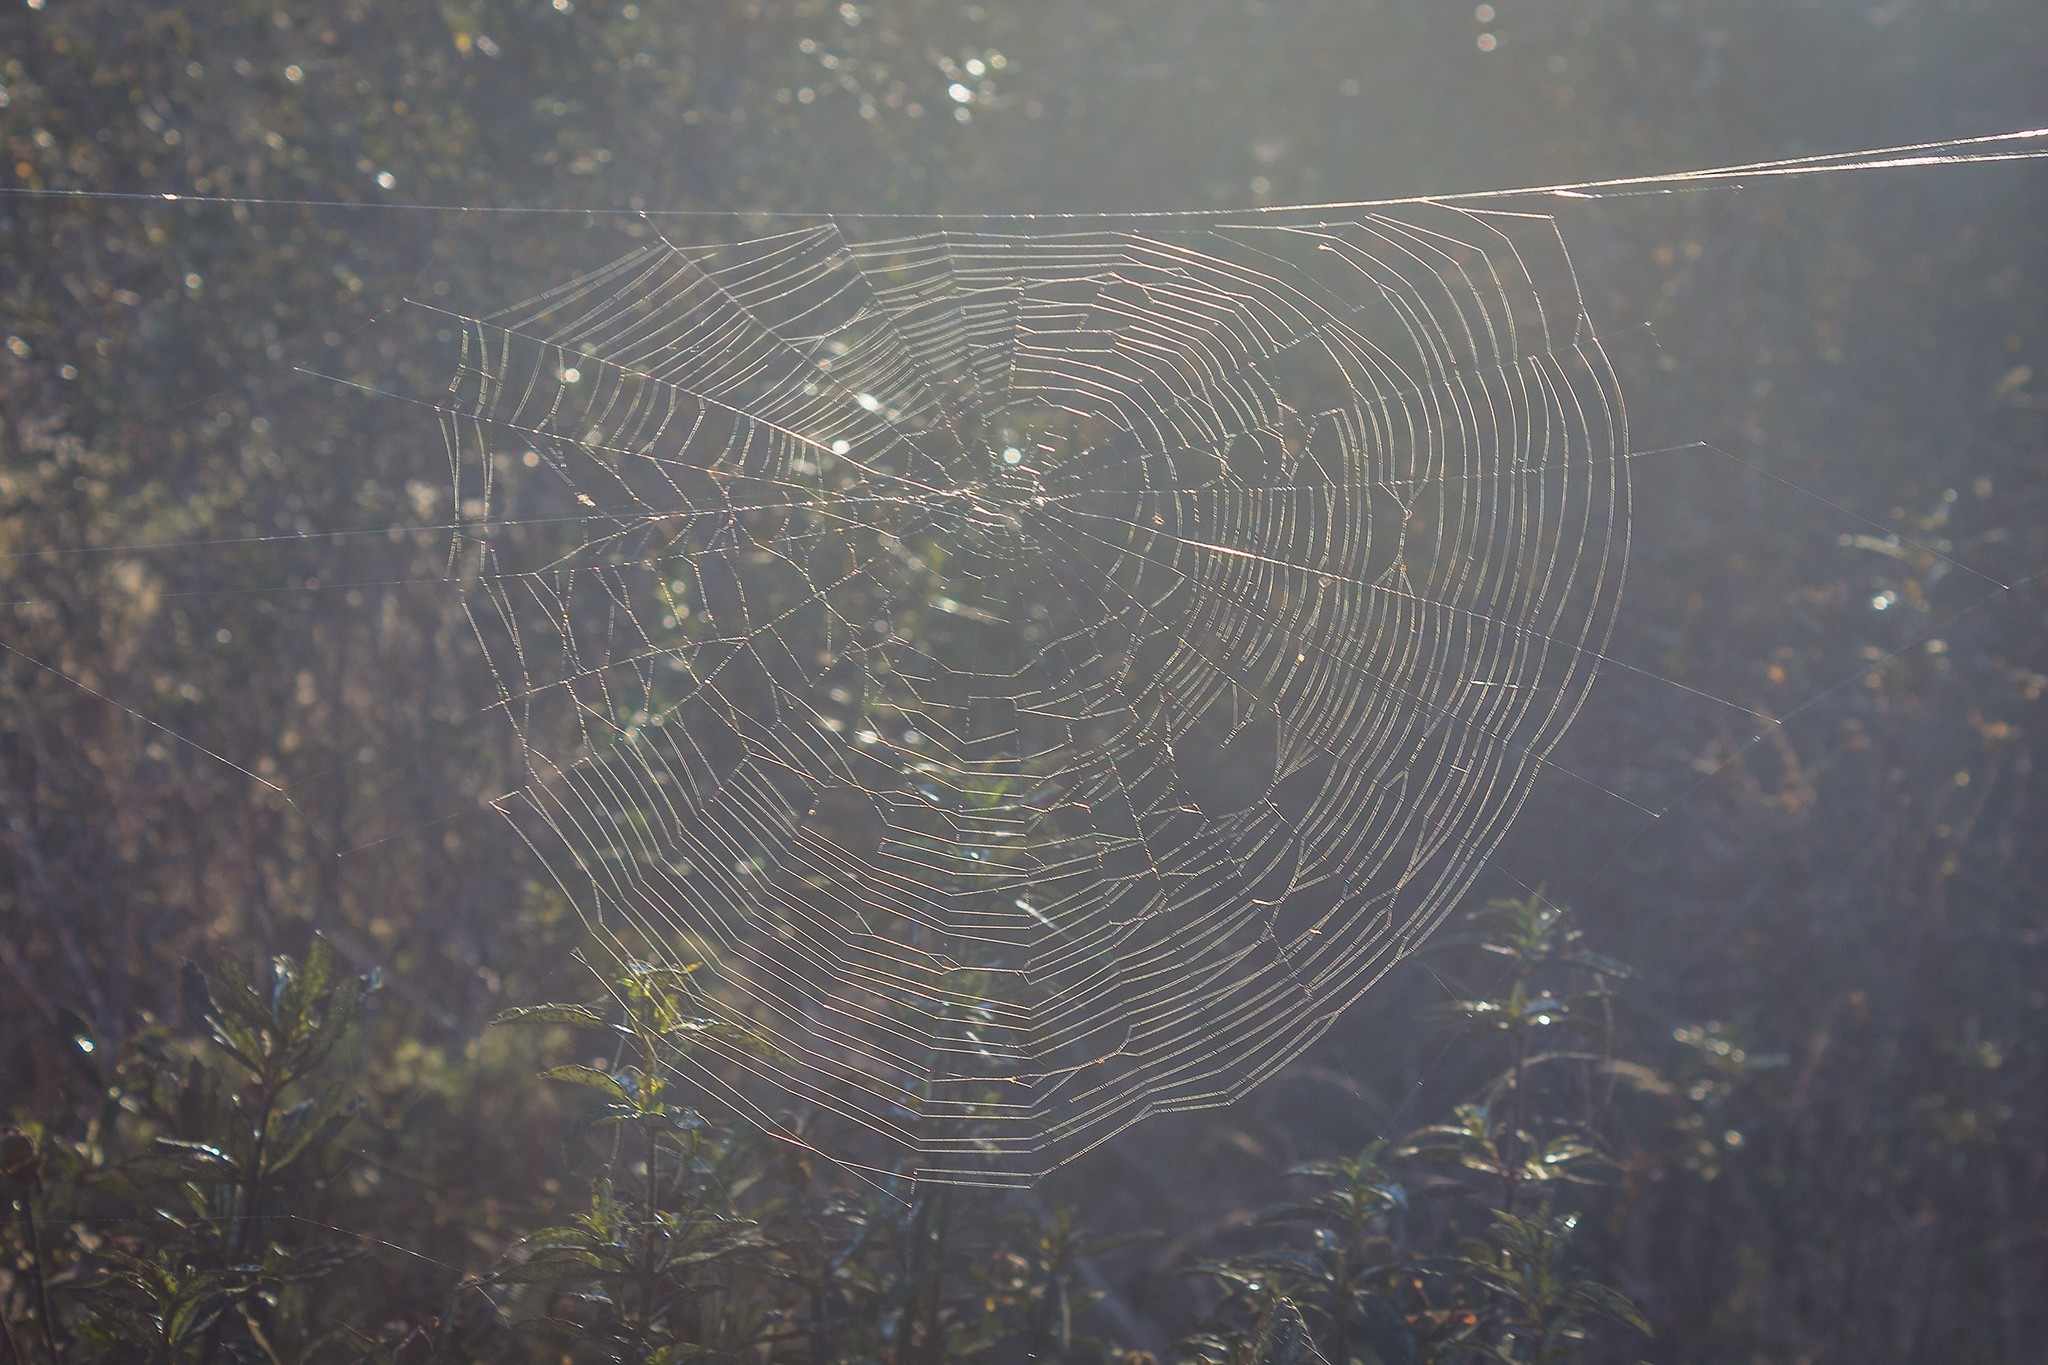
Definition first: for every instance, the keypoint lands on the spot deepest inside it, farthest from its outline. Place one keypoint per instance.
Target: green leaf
(239, 1041)
(230, 1035)
(305, 1127)
(242, 999)
(576, 1016)
(1279, 1267)
(590, 1077)
(684, 1355)
(310, 1264)
(313, 981)
(1610, 1302)
(1597, 962)
(198, 996)
(558, 1264)
(199, 1156)
(192, 1318)
(552, 1237)
(1287, 1213)
(600, 1117)
(1284, 1338)
(338, 1017)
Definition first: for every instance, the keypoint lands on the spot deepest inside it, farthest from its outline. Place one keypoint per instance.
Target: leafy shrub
(1455, 1242)
(183, 1221)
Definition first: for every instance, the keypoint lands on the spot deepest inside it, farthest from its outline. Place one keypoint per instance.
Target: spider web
(1035, 680)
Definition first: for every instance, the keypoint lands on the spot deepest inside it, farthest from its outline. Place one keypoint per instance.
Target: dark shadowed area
(255, 697)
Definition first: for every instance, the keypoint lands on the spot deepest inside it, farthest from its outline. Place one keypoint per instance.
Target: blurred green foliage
(1810, 1129)
(201, 1199)
(177, 1216)
(1456, 1242)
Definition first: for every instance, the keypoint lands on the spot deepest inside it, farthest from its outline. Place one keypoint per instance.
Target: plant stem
(1510, 1148)
(934, 1300)
(51, 1338)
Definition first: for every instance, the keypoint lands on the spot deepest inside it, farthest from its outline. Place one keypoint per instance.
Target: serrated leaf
(316, 974)
(576, 1016)
(241, 998)
(563, 1264)
(239, 1041)
(590, 1077)
(337, 1018)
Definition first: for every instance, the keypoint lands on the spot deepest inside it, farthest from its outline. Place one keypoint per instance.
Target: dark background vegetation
(1840, 945)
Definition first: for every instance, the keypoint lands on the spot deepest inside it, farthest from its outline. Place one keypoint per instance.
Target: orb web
(1037, 679)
